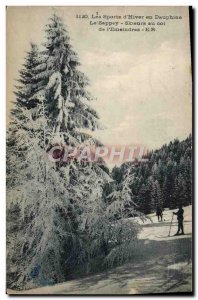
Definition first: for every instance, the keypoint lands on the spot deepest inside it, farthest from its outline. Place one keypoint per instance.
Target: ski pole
(170, 225)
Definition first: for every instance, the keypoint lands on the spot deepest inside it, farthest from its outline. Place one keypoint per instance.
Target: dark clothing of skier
(180, 219)
(159, 213)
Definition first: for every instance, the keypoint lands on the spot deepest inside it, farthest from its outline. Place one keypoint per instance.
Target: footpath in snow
(161, 264)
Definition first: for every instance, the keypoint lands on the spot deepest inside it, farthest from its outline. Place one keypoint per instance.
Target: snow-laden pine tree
(17, 151)
(28, 81)
(24, 90)
(63, 86)
(63, 222)
(124, 216)
(41, 196)
(47, 230)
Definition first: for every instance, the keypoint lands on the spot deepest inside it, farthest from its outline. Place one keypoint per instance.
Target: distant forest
(164, 181)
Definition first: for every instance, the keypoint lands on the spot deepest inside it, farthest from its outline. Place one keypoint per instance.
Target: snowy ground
(161, 264)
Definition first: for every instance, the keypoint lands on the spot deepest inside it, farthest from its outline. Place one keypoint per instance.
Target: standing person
(180, 219)
(159, 213)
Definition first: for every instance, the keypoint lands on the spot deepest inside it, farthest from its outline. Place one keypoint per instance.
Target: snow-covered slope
(161, 264)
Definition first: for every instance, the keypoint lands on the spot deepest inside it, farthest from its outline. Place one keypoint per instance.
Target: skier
(159, 213)
(180, 219)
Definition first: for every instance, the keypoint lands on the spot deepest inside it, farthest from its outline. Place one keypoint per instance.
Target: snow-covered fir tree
(123, 229)
(64, 86)
(24, 91)
(47, 228)
(28, 82)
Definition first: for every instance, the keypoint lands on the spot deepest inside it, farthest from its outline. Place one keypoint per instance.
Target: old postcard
(99, 150)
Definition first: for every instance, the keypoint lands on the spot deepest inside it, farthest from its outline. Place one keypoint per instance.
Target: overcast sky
(142, 81)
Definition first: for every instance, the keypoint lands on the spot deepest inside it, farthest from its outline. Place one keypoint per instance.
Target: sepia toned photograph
(99, 193)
